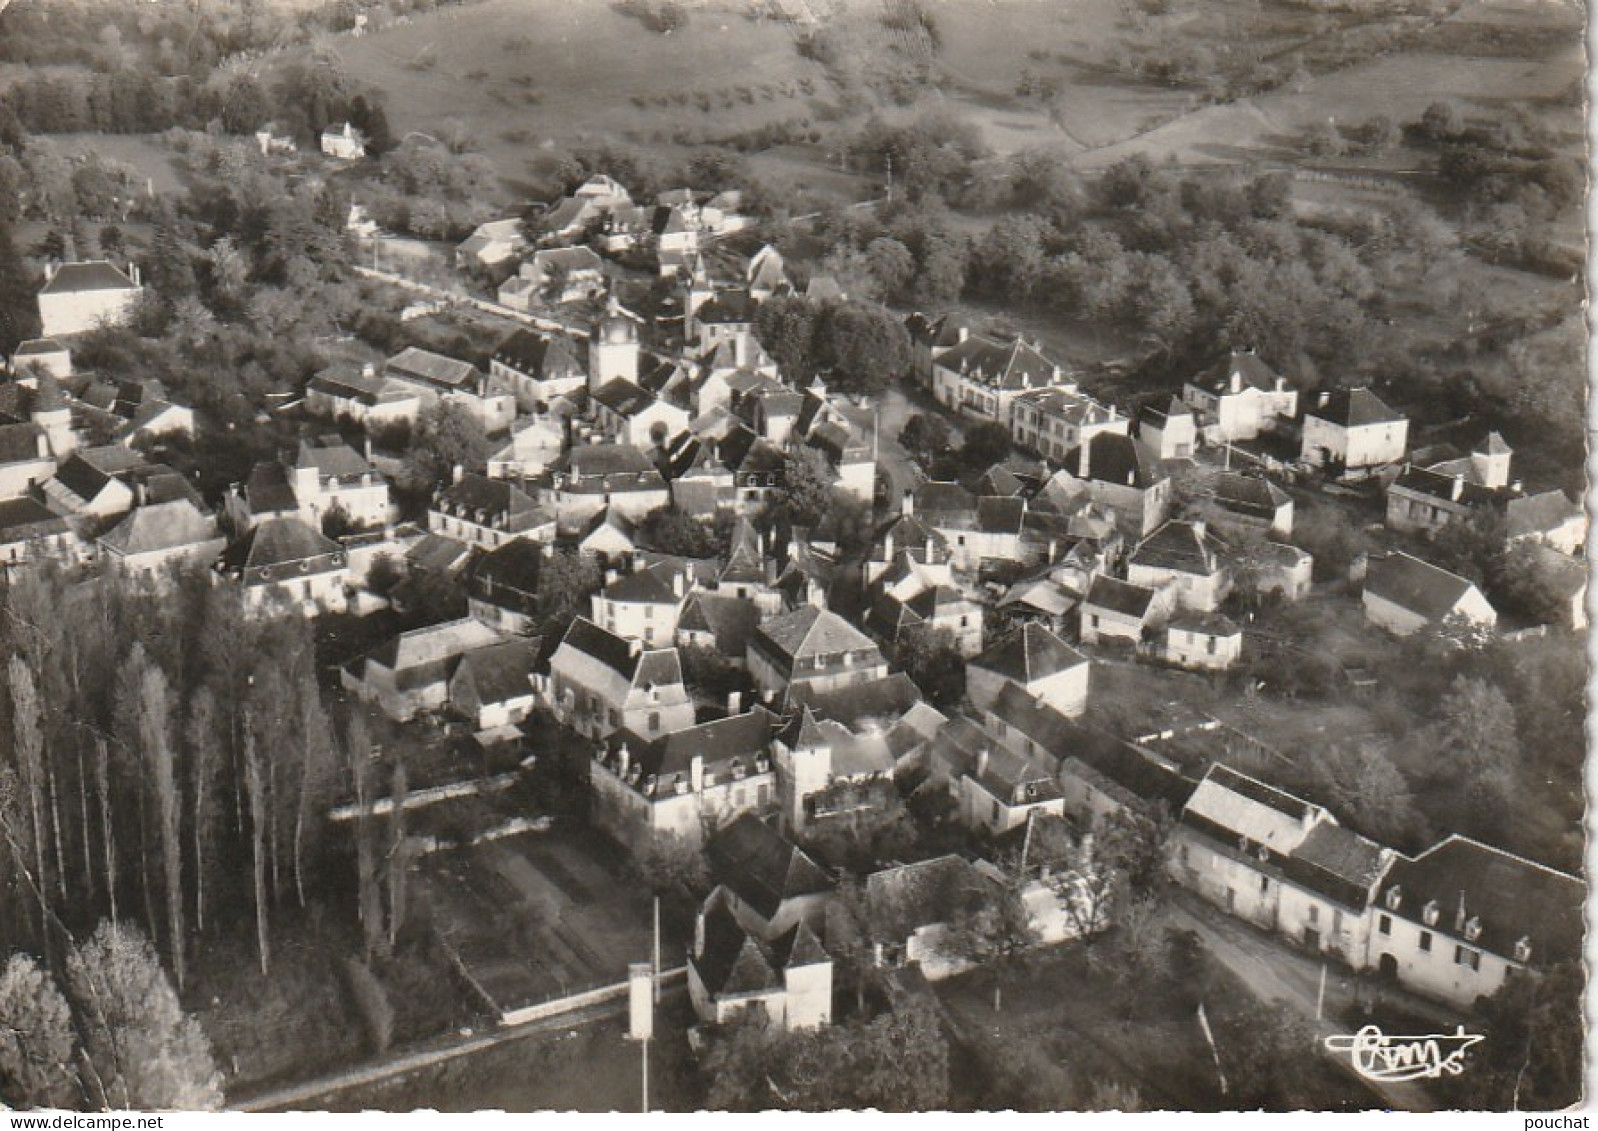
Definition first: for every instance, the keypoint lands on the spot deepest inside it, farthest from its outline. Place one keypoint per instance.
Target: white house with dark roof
(492, 243)
(83, 486)
(591, 478)
(1116, 610)
(410, 672)
(1203, 641)
(1052, 421)
(600, 683)
(538, 366)
(1168, 433)
(153, 539)
(342, 392)
(1185, 558)
(492, 686)
(1353, 429)
(734, 973)
(1035, 660)
(685, 782)
(814, 647)
(344, 142)
(1404, 594)
(552, 276)
(488, 512)
(435, 377)
(80, 296)
(1548, 517)
(286, 563)
(32, 532)
(827, 768)
(1240, 397)
(41, 354)
(643, 605)
(627, 413)
(502, 585)
(1463, 918)
(1250, 502)
(1117, 476)
(980, 376)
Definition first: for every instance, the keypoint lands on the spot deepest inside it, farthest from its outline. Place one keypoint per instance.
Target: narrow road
(1276, 973)
(305, 1096)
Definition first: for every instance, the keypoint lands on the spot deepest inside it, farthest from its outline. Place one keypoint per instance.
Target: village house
(609, 537)
(981, 376)
(1353, 429)
(628, 414)
(410, 673)
(976, 528)
(1202, 641)
(553, 276)
(1463, 918)
(1404, 594)
(284, 562)
(770, 884)
(1111, 472)
(931, 338)
(25, 459)
(80, 296)
(1102, 777)
(1281, 569)
(502, 585)
(907, 535)
(934, 609)
(127, 412)
(912, 907)
(1239, 398)
(721, 623)
(733, 972)
(488, 513)
(41, 355)
(1115, 610)
(814, 647)
(491, 244)
(1168, 433)
(687, 782)
(32, 532)
(1566, 580)
(493, 685)
(643, 605)
(535, 443)
(591, 478)
(325, 477)
(1239, 501)
(1186, 559)
(600, 683)
(153, 540)
(1549, 518)
(540, 367)
(343, 142)
(827, 769)
(93, 483)
(1054, 421)
(1039, 663)
(361, 396)
(1002, 786)
(435, 377)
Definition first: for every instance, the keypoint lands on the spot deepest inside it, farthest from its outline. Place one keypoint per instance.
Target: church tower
(613, 346)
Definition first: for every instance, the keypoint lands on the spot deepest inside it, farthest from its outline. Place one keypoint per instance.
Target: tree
(28, 828)
(38, 1048)
(369, 893)
(933, 661)
(671, 531)
(566, 579)
(1476, 733)
(1531, 1058)
(861, 347)
(142, 1050)
(996, 931)
(204, 738)
(155, 734)
(1136, 952)
(985, 444)
(19, 308)
(1266, 1051)
(671, 865)
(1364, 783)
(872, 828)
(447, 437)
(255, 787)
(786, 328)
(806, 492)
(398, 852)
(926, 437)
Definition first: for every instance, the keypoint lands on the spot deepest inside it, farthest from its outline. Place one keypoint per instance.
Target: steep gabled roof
(1355, 408)
(1030, 655)
(1118, 596)
(93, 275)
(278, 541)
(809, 632)
(762, 867)
(1422, 588)
(1249, 815)
(163, 526)
(1184, 547)
(1539, 513)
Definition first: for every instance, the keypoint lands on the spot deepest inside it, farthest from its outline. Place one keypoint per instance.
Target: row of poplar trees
(171, 764)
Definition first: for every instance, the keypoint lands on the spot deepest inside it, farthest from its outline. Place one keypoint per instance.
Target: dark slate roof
(1251, 495)
(1128, 770)
(936, 499)
(19, 443)
(162, 526)
(615, 652)
(651, 585)
(885, 698)
(1512, 897)
(1034, 653)
(733, 962)
(278, 541)
(1420, 587)
(1539, 513)
(540, 355)
(28, 516)
(432, 368)
(732, 620)
(500, 672)
(1119, 596)
(1255, 373)
(727, 308)
(267, 490)
(1111, 458)
(1000, 516)
(82, 478)
(911, 896)
(1183, 547)
(1337, 863)
(1443, 488)
(94, 275)
(1014, 366)
(1355, 408)
(808, 632)
(761, 867)
(623, 397)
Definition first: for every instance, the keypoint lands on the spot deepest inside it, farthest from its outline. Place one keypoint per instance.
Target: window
(1337, 922)
(654, 720)
(1464, 957)
(1314, 914)
(1209, 645)
(1385, 925)
(995, 810)
(1265, 883)
(1426, 941)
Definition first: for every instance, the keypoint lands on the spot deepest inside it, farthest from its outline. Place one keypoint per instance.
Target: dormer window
(1394, 898)
(1430, 912)
(1523, 950)
(1472, 929)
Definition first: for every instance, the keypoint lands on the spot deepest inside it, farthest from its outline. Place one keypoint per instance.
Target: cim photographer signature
(1377, 1056)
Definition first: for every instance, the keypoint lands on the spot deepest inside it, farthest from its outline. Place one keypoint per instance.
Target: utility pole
(656, 978)
(641, 1015)
(1320, 998)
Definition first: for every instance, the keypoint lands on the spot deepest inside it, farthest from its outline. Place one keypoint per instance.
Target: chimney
(457, 472)
(677, 582)
(930, 549)
(139, 492)
(735, 701)
(907, 505)
(962, 333)
(43, 446)
(1323, 399)
(1084, 459)
(133, 273)
(366, 447)
(50, 269)
(610, 578)
(368, 370)
(699, 933)
(635, 647)
(623, 760)
(887, 546)
(696, 773)
(982, 762)
(1460, 916)
(1457, 487)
